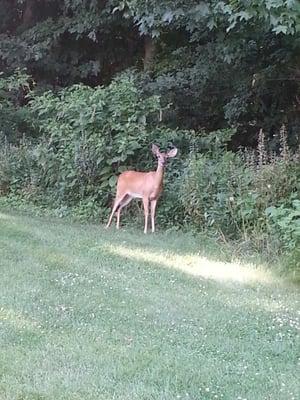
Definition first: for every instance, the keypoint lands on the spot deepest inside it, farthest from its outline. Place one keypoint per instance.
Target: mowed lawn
(87, 313)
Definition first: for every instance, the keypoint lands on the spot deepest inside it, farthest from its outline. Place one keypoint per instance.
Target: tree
(213, 62)
(61, 42)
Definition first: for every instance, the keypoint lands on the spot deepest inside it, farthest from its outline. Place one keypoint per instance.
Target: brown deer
(143, 185)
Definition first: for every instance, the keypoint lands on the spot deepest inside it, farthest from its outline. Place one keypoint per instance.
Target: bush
(244, 195)
(13, 117)
(285, 221)
(87, 137)
(18, 168)
(212, 191)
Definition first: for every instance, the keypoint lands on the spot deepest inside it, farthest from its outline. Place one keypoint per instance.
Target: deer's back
(138, 184)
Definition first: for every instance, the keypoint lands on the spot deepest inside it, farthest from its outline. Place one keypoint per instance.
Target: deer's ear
(172, 153)
(155, 150)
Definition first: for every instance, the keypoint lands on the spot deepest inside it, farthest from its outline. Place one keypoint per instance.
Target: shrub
(286, 220)
(12, 115)
(229, 193)
(87, 137)
(17, 167)
(212, 190)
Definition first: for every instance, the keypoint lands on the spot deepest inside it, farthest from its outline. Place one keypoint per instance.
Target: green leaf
(112, 181)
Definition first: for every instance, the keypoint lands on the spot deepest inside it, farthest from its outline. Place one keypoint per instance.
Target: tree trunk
(28, 14)
(149, 54)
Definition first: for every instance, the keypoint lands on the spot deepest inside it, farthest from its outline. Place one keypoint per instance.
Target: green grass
(87, 313)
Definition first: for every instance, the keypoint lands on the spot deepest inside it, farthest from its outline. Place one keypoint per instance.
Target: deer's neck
(157, 183)
(159, 174)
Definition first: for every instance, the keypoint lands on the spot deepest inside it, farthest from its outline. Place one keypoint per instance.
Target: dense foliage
(186, 51)
(86, 137)
(87, 85)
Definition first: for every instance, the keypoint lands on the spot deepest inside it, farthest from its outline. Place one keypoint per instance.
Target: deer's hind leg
(117, 203)
(126, 200)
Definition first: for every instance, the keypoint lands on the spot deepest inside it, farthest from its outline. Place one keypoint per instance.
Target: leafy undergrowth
(88, 313)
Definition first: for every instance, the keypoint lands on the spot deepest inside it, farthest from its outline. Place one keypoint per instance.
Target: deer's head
(162, 157)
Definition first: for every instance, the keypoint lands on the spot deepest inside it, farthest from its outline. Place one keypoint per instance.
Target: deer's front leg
(153, 208)
(146, 212)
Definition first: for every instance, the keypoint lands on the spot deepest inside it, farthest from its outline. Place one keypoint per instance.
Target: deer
(147, 186)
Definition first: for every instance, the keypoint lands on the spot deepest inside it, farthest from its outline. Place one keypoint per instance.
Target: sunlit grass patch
(197, 265)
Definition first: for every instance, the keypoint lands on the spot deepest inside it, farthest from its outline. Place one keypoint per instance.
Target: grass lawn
(87, 313)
